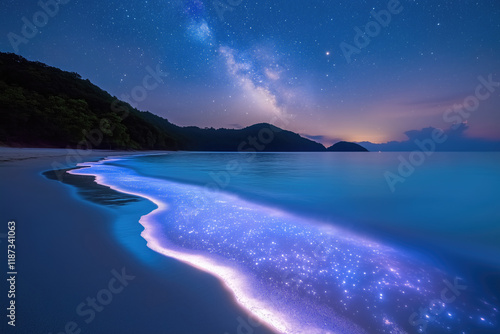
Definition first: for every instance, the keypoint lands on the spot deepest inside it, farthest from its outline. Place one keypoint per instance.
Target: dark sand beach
(70, 251)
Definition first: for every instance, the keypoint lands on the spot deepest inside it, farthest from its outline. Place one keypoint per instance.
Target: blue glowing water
(322, 241)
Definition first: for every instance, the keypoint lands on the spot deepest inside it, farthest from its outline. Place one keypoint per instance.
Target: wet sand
(71, 251)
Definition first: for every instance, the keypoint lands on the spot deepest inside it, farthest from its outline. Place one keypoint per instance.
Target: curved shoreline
(70, 247)
(229, 278)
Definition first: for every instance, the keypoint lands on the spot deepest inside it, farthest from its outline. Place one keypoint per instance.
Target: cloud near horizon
(454, 139)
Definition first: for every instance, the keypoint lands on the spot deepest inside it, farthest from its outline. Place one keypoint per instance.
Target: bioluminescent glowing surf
(294, 274)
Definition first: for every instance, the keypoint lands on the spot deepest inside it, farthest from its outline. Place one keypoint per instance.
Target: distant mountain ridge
(43, 106)
(344, 146)
(271, 138)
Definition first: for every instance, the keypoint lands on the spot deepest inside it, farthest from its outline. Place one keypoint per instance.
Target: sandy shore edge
(67, 254)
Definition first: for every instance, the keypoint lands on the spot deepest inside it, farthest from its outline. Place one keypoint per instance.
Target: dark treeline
(47, 107)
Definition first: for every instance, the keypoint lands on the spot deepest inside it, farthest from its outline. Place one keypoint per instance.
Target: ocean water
(321, 243)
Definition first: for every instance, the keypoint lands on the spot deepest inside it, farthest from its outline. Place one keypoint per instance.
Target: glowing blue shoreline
(297, 276)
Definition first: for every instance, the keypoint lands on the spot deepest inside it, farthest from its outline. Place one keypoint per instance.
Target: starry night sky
(233, 63)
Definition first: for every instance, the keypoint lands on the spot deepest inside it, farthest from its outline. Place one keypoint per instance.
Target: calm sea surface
(321, 242)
